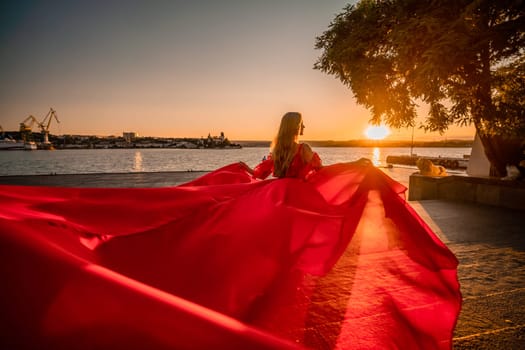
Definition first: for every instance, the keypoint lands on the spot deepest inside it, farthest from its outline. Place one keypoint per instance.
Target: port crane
(26, 126)
(44, 126)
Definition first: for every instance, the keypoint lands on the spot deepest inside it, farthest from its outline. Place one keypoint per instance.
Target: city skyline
(176, 69)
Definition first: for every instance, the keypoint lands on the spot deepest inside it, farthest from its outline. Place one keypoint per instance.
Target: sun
(375, 132)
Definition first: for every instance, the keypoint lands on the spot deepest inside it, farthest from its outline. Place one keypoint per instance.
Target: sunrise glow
(375, 132)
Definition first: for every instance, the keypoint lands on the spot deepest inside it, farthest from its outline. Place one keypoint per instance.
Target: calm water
(153, 160)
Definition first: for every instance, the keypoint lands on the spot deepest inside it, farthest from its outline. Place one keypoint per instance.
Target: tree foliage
(464, 58)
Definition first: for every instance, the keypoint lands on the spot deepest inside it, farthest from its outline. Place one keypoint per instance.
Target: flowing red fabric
(191, 266)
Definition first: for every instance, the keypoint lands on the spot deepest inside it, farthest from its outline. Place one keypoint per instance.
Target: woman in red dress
(232, 243)
(288, 158)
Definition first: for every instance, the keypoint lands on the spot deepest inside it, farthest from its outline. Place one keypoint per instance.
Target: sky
(176, 69)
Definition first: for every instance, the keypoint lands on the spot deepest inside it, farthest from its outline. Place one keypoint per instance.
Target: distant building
(214, 141)
(129, 136)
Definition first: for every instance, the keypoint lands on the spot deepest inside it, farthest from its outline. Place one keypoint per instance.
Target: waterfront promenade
(488, 241)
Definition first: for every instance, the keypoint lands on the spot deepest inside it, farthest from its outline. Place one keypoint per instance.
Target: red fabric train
(211, 263)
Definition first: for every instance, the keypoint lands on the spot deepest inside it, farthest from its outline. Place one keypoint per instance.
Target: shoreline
(188, 143)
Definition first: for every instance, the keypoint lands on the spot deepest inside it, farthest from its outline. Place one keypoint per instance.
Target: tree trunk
(484, 111)
(501, 151)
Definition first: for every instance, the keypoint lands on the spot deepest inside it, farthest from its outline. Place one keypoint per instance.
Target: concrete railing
(483, 190)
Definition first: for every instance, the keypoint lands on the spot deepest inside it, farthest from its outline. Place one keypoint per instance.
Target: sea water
(85, 161)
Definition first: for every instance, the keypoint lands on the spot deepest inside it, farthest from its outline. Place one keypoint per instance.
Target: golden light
(376, 156)
(375, 132)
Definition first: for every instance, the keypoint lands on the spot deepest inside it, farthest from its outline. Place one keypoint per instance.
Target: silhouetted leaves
(465, 58)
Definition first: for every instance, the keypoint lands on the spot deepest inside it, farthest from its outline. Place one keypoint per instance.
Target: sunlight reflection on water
(137, 165)
(154, 160)
(376, 156)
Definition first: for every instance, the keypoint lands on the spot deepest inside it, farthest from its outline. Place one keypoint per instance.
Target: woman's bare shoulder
(306, 146)
(306, 152)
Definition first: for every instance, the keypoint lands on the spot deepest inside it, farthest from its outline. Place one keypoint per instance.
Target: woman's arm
(263, 169)
(246, 167)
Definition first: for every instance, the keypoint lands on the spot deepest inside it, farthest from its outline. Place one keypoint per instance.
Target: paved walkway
(159, 179)
(490, 245)
(488, 241)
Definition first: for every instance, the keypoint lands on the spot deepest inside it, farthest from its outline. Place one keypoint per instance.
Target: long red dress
(168, 267)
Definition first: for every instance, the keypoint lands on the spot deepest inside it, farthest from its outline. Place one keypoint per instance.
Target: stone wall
(483, 190)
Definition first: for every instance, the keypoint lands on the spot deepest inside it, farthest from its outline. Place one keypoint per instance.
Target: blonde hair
(283, 146)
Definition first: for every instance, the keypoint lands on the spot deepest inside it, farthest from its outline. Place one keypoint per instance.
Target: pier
(447, 162)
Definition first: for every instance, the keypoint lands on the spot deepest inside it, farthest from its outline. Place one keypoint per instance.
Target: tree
(464, 58)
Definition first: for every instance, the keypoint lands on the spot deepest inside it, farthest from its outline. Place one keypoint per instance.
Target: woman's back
(304, 162)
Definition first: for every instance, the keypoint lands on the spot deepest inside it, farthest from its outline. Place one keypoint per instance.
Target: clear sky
(175, 68)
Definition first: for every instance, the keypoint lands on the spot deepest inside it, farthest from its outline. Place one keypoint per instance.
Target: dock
(447, 162)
